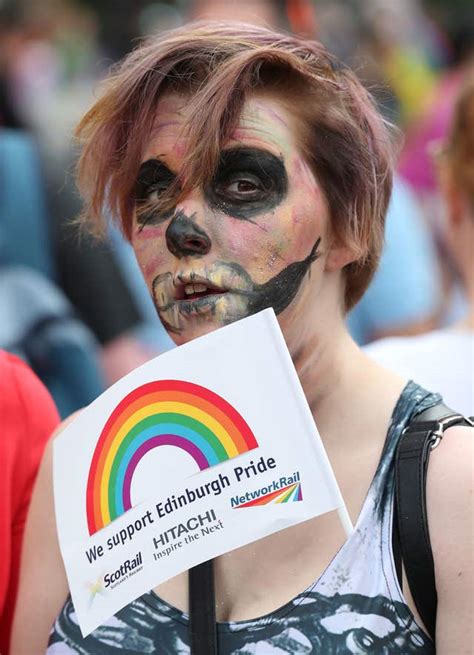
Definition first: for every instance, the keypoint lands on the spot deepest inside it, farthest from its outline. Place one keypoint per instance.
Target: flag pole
(345, 520)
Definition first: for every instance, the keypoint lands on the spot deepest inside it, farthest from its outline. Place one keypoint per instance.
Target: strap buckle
(438, 434)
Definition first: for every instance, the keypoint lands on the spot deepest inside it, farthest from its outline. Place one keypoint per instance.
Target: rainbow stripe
(290, 494)
(164, 413)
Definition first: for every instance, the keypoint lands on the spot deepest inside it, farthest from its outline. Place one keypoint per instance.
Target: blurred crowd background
(76, 309)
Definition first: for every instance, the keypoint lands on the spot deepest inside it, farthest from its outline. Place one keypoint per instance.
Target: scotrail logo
(285, 490)
(95, 588)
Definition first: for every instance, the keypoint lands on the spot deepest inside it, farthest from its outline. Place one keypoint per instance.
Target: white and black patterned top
(355, 607)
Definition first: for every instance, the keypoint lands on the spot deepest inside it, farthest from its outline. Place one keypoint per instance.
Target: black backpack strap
(202, 610)
(411, 539)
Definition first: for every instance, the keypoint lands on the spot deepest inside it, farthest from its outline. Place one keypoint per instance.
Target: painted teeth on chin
(194, 288)
(197, 304)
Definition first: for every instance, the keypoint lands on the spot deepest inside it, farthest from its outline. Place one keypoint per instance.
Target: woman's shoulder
(450, 473)
(450, 511)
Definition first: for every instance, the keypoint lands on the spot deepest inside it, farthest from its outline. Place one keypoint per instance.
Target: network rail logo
(285, 490)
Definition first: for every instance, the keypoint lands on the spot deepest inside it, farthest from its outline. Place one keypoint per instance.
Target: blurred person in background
(45, 65)
(401, 42)
(394, 56)
(38, 323)
(443, 360)
(434, 108)
(257, 164)
(27, 419)
(453, 27)
(394, 303)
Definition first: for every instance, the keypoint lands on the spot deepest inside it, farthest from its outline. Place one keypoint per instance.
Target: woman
(250, 169)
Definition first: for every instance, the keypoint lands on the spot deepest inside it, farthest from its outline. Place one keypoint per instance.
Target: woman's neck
(322, 362)
(340, 383)
(328, 363)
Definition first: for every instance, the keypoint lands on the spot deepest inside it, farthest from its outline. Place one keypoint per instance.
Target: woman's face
(252, 239)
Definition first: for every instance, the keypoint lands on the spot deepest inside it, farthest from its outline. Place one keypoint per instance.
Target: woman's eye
(243, 186)
(242, 189)
(156, 192)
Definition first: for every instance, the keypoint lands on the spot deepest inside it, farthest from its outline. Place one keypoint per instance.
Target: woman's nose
(185, 238)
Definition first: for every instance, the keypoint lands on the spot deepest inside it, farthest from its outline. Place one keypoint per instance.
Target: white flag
(200, 451)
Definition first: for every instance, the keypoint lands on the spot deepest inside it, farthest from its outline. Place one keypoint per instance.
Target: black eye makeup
(248, 182)
(154, 178)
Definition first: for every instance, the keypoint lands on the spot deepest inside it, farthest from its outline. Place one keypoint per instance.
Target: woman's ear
(338, 256)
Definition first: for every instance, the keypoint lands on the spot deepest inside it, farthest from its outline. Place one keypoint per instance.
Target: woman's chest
(260, 578)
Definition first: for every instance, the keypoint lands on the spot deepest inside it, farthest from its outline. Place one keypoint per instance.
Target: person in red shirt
(28, 416)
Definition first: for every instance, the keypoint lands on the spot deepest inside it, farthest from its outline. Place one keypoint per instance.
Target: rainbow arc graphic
(162, 413)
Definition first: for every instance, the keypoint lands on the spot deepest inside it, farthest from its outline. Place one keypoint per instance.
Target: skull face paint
(241, 294)
(245, 243)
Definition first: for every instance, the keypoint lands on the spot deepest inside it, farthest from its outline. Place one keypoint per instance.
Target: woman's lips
(203, 293)
(197, 297)
(193, 287)
(218, 290)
